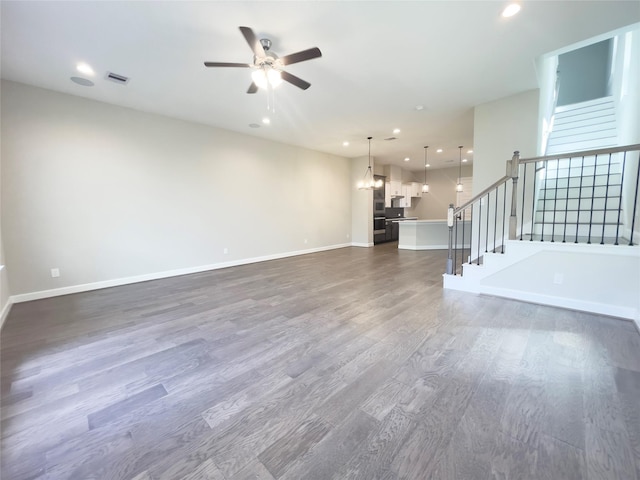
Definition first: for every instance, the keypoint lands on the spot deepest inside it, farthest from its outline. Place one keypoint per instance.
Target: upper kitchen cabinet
(416, 189)
(395, 188)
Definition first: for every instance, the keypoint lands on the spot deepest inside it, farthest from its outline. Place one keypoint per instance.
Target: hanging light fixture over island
(425, 185)
(368, 182)
(459, 185)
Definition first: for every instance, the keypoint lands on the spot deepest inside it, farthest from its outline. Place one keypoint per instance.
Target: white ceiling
(379, 61)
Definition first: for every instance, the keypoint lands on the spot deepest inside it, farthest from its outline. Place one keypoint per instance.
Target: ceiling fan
(268, 67)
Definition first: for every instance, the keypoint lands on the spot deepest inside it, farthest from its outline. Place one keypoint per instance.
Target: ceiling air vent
(114, 77)
(388, 139)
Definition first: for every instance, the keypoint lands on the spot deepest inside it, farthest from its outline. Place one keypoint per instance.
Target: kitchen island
(429, 234)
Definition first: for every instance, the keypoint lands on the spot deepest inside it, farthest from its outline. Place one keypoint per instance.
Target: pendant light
(368, 182)
(425, 185)
(459, 185)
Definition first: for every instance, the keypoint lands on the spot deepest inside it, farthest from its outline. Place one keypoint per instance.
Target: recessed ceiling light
(469, 151)
(439, 150)
(266, 120)
(510, 10)
(254, 125)
(419, 107)
(427, 165)
(464, 160)
(396, 130)
(345, 144)
(406, 159)
(84, 68)
(82, 81)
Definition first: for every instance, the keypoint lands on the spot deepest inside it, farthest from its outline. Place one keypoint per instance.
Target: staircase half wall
(603, 279)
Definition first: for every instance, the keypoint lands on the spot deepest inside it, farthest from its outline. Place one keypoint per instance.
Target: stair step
(550, 183)
(588, 106)
(582, 135)
(583, 204)
(608, 216)
(590, 144)
(562, 238)
(612, 191)
(584, 230)
(585, 161)
(568, 123)
(593, 115)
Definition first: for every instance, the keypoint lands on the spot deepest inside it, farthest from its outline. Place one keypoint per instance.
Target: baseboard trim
(358, 244)
(628, 313)
(56, 292)
(423, 247)
(5, 312)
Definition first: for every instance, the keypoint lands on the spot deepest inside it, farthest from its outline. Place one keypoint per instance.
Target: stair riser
(613, 191)
(562, 124)
(587, 181)
(596, 217)
(585, 108)
(583, 230)
(587, 161)
(602, 131)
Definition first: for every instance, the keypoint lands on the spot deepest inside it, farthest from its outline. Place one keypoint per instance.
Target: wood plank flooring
(346, 364)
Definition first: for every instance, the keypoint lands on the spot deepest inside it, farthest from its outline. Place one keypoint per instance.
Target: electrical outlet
(225, 251)
(558, 278)
(305, 240)
(55, 272)
(347, 235)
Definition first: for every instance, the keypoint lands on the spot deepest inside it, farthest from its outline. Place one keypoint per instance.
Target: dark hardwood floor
(346, 364)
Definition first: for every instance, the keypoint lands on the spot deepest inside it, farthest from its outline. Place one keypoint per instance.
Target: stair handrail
(512, 169)
(584, 153)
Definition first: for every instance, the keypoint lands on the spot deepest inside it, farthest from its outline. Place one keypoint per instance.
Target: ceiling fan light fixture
(510, 10)
(266, 76)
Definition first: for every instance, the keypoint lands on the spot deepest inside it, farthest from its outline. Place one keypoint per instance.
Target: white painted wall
(104, 193)
(602, 280)
(500, 128)
(361, 205)
(442, 192)
(5, 305)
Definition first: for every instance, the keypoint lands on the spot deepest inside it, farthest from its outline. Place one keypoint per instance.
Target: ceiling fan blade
(297, 81)
(253, 88)
(226, 64)
(301, 56)
(253, 42)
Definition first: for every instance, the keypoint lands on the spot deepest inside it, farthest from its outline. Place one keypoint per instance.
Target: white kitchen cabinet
(395, 187)
(416, 189)
(405, 202)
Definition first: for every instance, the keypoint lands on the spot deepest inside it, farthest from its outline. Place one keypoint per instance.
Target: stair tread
(560, 210)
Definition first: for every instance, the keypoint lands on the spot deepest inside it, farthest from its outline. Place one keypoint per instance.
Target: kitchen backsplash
(394, 212)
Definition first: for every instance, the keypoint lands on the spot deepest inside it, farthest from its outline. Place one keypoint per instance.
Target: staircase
(572, 239)
(583, 126)
(579, 199)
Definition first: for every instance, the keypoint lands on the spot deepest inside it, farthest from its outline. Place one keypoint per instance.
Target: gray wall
(103, 192)
(584, 73)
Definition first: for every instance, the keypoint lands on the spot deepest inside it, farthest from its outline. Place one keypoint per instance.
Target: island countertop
(427, 234)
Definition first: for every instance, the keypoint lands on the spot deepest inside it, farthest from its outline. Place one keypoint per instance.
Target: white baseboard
(423, 247)
(358, 244)
(5, 312)
(628, 313)
(26, 297)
